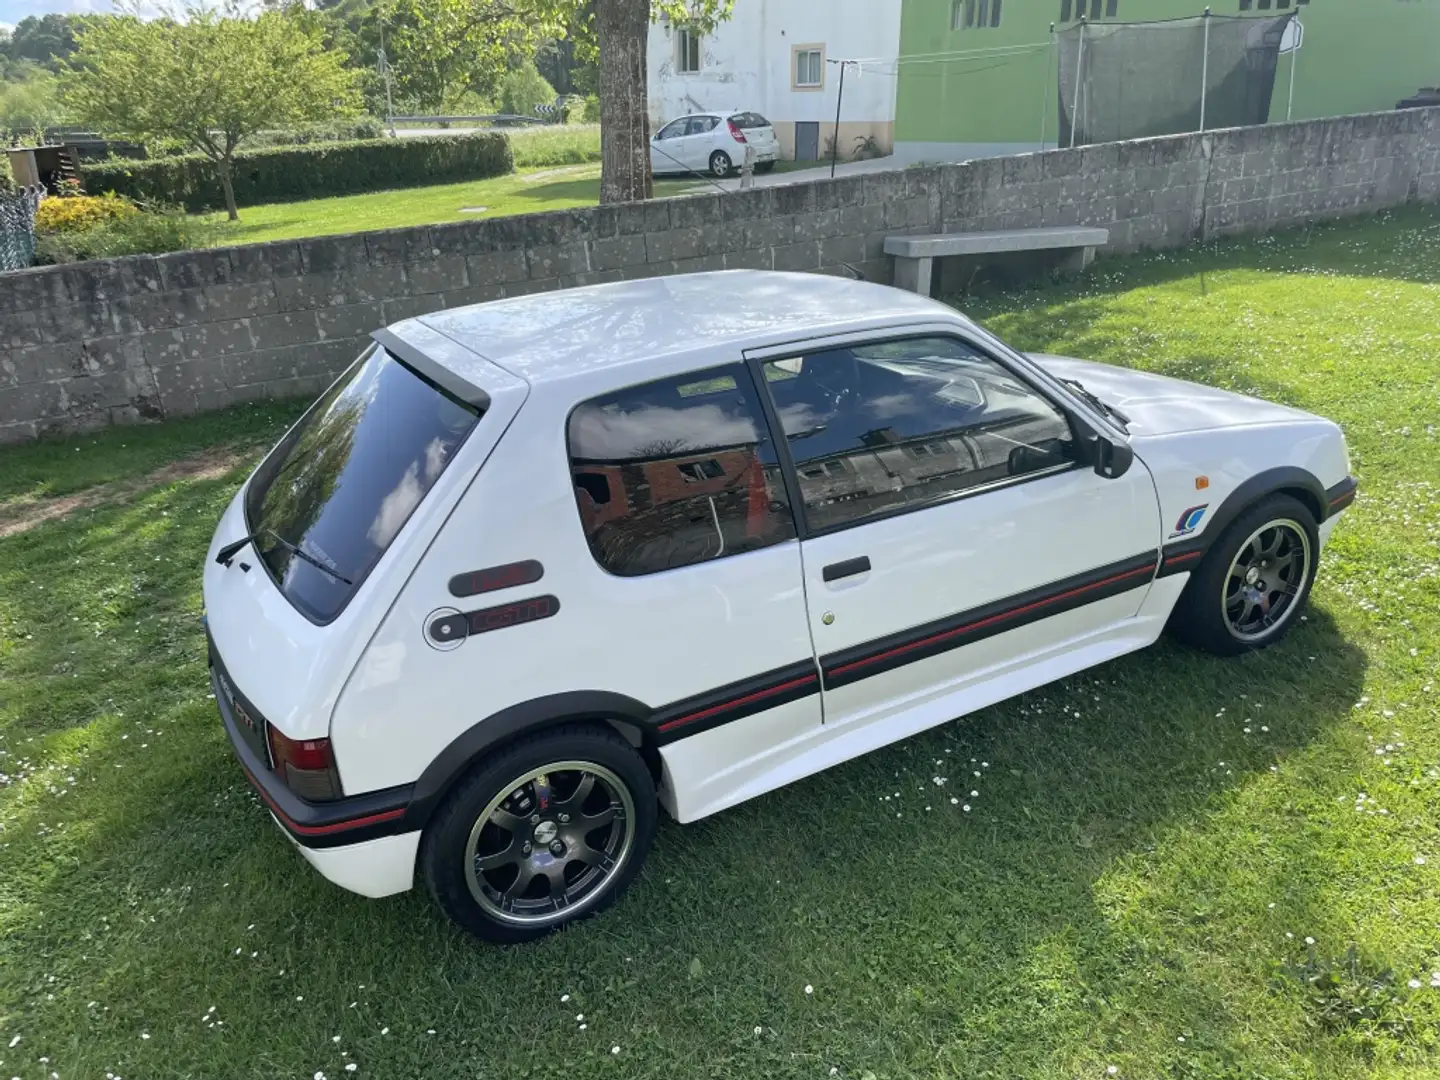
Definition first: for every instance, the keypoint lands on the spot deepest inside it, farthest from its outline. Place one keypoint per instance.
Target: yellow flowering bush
(80, 213)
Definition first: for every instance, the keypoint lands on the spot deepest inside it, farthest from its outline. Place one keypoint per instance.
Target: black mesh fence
(1133, 80)
(17, 228)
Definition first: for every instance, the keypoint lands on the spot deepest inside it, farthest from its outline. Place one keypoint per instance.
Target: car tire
(1265, 559)
(765, 167)
(720, 164)
(466, 856)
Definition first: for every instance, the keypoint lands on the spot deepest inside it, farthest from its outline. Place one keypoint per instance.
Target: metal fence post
(1205, 69)
(1294, 59)
(1052, 58)
(1079, 67)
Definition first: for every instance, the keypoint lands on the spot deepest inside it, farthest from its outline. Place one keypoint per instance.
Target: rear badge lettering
(1189, 521)
(453, 629)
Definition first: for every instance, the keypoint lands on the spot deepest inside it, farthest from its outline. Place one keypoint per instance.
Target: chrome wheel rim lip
(590, 884)
(1242, 569)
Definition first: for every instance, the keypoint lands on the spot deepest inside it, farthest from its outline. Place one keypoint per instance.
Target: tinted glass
(677, 472)
(673, 130)
(747, 120)
(699, 125)
(879, 428)
(346, 479)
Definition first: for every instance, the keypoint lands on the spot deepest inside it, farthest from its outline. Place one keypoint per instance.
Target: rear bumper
(318, 826)
(373, 868)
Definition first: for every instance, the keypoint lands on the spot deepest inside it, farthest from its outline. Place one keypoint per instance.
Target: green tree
(440, 51)
(206, 79)
(617, 30)
(29, 101)
(524, 88)
(45, 39)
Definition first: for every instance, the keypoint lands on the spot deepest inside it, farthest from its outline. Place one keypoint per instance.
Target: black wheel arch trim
(1182, 556)
(527, 717)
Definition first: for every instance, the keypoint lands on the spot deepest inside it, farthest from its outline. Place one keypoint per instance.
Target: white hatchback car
(530, 567)
(714, 142)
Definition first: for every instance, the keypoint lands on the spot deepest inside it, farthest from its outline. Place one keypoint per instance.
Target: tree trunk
(621, 28)
(228, 183)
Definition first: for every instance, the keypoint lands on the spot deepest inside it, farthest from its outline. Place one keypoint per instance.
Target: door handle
(848, 568)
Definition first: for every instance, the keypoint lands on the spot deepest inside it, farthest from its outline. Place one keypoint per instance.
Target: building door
(807, 140)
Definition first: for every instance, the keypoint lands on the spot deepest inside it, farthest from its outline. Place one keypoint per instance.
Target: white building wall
(748, 63)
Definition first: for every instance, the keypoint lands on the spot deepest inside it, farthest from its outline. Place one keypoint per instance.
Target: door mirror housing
(1111, 458)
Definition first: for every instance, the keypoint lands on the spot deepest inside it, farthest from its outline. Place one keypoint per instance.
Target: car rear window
(346, 478)
(746, 120)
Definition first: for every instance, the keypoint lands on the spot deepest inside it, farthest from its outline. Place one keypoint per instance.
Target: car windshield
(747, 120)
(334, 493)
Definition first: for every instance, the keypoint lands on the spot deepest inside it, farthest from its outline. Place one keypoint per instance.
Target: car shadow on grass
(1031, 929)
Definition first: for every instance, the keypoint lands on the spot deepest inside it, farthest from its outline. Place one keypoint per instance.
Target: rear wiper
(1108, 410)
(226, 553)
(294, 549)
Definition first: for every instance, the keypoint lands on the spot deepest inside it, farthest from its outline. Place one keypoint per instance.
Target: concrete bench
(915, 255)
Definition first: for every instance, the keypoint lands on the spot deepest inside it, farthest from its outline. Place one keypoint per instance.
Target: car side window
(672, 130)
(699, 125)
(882, 427)
(676, 472)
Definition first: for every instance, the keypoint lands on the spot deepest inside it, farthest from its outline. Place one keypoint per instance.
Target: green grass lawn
(1175, 866)
(526, 192)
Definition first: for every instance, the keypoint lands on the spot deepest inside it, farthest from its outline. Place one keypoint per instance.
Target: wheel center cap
(1252, 575)
(545, 832)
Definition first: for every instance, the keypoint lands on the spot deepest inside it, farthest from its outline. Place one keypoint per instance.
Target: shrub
(7, 179)
(142, 231)
(592, 108)
(81, 212)
(307, 172)
(524, 88)
(366, 127)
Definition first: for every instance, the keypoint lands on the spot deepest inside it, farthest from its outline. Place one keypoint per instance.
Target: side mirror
(1112, 460)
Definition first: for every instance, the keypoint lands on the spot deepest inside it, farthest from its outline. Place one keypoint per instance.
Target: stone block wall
(123, 340)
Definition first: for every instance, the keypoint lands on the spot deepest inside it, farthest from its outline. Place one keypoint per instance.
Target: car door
(667, 146)
(952, 534)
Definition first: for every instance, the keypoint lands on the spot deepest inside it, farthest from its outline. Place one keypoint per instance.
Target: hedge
(281, 173)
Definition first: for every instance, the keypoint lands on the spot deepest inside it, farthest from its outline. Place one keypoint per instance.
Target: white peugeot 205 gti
(532, 569)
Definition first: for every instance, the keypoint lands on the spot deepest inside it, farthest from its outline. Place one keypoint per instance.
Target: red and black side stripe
(965, 628)
(1183, 557)
(735, 700)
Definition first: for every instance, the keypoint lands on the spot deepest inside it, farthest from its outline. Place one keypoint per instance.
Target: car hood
(1159, 405)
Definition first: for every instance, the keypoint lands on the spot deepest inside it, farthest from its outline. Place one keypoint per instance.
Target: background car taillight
(735, 132)
(306, 765)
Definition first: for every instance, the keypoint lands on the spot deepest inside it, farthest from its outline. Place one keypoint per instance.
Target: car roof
(565, 333)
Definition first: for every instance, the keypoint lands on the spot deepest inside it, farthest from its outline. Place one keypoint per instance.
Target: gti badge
(1189, 521)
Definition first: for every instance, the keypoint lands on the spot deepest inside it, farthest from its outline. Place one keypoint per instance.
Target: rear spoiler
(437, 373)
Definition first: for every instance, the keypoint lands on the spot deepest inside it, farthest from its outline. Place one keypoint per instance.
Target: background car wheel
(720, 163)
(549, 830)
(765, 166)
(1253, 584)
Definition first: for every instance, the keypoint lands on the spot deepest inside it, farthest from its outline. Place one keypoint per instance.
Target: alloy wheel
(547, 845)
(1261, 590)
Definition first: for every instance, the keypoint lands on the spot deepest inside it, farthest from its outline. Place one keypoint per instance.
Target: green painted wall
(1358, 56)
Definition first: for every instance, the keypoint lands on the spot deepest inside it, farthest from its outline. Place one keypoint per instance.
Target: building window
(809, 66)
(687, 52)
(968, 14)
(1095, 10)
(677, 472)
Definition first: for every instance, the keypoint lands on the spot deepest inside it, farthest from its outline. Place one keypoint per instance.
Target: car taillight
(306, 765)
(735, 132)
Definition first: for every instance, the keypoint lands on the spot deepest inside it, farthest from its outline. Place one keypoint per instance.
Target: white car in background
(531, 570)
(714, 143)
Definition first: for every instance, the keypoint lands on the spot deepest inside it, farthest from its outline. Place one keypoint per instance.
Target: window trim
(684, 35)
(795, 51)
(1079, 422)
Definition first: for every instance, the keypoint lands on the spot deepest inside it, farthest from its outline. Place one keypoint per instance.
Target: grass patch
(556, 144)
(1135, 886)
(527, 192)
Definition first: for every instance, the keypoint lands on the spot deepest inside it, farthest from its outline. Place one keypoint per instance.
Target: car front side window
(673, 130)
(883, 427)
